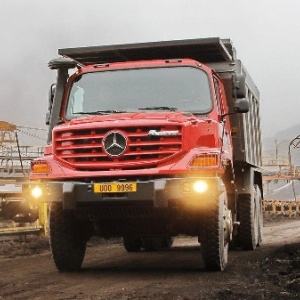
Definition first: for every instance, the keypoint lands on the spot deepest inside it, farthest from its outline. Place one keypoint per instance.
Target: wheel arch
(246, 176)
(258, 180)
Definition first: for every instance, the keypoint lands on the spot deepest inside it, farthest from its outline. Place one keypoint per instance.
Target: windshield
(132, 90)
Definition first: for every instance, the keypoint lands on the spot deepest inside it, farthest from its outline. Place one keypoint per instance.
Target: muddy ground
(270, 272)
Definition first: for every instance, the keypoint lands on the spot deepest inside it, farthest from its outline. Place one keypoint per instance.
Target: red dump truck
(148, 141)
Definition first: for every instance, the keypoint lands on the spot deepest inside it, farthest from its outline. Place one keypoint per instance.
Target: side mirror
(62, 63)
(239, 86)
(241, 106)
(50, 102)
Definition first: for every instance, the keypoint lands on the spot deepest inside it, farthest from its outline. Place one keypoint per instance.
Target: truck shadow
(178, 259)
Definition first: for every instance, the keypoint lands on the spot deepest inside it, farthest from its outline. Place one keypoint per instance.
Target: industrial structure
(281, 180)
(16, 216)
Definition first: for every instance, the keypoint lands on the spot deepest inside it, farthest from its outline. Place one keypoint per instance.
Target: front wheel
(216, 234)
(67, 239)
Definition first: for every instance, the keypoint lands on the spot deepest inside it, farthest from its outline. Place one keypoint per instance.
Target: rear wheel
(132, 244)
(67, 239)
(260, 217)
(216, 235)
(250, 217)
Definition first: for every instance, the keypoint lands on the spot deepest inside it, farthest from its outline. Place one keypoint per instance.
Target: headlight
(36, 192)
(200, 186)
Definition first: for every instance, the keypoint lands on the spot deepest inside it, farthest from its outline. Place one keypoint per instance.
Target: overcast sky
(265, 34)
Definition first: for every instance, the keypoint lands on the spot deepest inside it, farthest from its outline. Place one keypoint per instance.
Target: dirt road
(109, 272)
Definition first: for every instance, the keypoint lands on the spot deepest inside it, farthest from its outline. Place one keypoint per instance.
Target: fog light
(36, 192)
(200, 186)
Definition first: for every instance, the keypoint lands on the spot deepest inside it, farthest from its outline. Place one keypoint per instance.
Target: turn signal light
(40, 166)
(208, 160)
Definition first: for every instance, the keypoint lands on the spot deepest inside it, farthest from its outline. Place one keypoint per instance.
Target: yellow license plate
(115, 187)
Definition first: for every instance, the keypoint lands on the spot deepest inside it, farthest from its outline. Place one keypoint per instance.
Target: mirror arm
(228, 114)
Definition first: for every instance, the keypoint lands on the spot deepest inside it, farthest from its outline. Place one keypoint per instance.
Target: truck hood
(177, 117)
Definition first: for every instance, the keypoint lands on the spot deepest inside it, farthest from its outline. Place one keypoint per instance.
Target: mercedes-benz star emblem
(114, 143)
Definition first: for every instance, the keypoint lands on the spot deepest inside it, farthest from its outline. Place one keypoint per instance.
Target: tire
(167, 242)
(216, 234)
(260, 217)
(132, 244)
(67, 239)
(250, 217)
(152, 244)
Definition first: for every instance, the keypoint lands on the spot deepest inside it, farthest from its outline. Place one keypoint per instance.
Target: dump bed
(204, 50)
(245, 128)
(217, 53)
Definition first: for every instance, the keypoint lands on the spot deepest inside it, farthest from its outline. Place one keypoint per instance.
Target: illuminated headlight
(200, 186)
(36, 192)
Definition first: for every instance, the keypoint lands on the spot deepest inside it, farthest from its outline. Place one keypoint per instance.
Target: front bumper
(159, 192)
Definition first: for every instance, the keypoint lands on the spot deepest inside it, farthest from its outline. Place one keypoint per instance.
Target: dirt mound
(15, 247)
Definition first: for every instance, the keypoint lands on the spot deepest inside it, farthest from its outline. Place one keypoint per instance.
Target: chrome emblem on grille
(114, 143)
(163, 133)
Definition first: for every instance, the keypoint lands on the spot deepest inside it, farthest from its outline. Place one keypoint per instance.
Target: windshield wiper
(99, 112)
(159, 108)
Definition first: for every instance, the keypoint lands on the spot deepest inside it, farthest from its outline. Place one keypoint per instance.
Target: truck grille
(83, 149)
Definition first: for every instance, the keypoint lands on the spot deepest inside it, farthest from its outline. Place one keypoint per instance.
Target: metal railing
(15, 161)
(281, 207)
